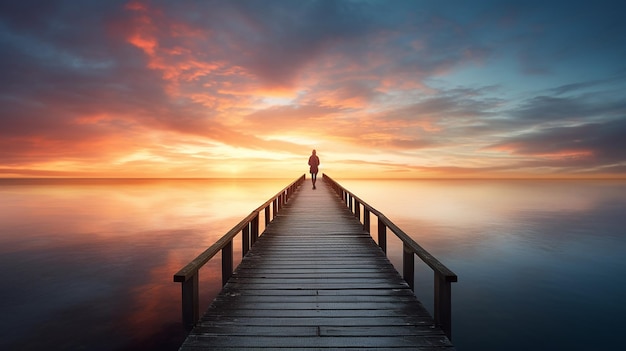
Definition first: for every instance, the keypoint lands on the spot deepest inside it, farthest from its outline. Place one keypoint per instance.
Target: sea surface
(88, 264)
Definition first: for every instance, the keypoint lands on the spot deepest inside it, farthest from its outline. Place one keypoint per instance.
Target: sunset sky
(248, 88)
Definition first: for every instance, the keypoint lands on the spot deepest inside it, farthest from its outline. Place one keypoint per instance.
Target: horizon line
(346, 178)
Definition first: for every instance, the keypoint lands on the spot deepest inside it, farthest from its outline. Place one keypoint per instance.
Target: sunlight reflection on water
(539, 262)
(102, 253)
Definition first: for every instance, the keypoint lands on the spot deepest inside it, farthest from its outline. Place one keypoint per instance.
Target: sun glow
(223, 90)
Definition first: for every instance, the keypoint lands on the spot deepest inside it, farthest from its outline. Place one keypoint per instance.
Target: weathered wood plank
(310, 330)
(356, 293)
(315, 280)
(380, 306)
(314, 313)
(244, 322)
(256, 341)
(318, 298)
(303, 274)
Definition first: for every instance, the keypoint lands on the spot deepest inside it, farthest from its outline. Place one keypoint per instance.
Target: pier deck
(316, 280)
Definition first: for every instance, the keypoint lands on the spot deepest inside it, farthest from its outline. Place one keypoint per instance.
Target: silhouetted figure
(314, 161)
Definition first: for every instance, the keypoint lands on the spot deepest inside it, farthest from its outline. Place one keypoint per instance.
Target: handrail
(443, 276)
(249, 229)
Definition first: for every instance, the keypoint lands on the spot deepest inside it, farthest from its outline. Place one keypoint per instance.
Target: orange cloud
(227, 88)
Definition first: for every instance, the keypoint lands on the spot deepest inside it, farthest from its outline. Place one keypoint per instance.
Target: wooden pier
(315, 279)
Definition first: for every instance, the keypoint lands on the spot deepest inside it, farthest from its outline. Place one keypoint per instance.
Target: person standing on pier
(314, 162)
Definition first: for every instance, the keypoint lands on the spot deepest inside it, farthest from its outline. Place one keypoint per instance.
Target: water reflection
(536, 260)
(89, 264)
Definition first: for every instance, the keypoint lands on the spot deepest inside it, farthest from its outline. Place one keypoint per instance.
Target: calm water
(89, 264)
(541, 264)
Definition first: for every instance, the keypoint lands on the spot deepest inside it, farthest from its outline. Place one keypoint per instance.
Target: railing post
(357, 209)
(245, 240)
(443, 304)
(267, 215)
(191, 307)
(274, 208)
(254, 229)
(382, 235)
(227, 262)
(366, 219)
(408, 265)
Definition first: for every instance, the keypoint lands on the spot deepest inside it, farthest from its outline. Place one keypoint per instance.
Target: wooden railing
(443, 276)
(249, 229)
